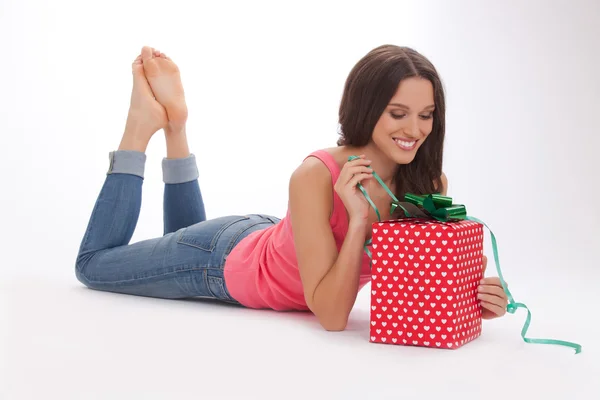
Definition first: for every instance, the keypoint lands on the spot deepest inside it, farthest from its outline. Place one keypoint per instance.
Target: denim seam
(214, 240)
(218, 281)
(225, 291)
(180, 286)
(231, 245)
(204, 270)
(206, 285)
(175, 271)
(180, 240)
(229, 298)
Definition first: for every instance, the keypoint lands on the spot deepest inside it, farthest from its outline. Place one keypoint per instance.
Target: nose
(413, 130)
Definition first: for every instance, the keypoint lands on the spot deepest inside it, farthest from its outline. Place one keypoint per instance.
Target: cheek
(427, 127)
(390, 125)
(383, 128)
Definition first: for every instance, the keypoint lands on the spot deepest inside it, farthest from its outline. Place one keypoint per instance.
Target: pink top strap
(329, 161)
(338, 219)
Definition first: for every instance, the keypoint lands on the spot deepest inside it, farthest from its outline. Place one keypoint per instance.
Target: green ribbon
(441, 208)
(513, 306)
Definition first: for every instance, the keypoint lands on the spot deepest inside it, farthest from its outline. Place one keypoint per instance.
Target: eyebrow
(408, 108)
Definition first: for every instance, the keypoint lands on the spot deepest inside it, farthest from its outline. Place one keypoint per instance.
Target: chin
(403, 156)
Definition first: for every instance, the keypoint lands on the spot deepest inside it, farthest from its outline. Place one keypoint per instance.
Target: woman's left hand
(492, 296)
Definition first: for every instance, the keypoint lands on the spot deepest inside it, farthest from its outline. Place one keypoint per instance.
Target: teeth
(405, 143)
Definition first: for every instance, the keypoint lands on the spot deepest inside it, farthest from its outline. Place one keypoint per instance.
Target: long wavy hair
(367, 92)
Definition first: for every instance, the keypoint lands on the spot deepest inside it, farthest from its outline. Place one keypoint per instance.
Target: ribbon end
(512, 308)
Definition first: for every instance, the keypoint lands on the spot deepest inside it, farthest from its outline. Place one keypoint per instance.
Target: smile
(405, 144)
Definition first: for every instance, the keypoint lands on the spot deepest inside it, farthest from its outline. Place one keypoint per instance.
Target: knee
(81, 264)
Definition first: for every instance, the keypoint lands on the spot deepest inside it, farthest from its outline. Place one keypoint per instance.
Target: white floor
(63, 341)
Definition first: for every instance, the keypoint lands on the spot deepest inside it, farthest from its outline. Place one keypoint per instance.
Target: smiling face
(407, 120)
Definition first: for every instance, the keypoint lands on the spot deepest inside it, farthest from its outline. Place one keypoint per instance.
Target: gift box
(425, 275)
(426, 267)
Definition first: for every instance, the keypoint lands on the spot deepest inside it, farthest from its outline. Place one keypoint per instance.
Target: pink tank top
(262, 271)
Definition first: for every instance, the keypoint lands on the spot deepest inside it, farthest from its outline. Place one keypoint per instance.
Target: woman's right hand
(353, 173)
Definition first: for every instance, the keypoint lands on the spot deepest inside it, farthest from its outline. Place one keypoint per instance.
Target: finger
(493, 290)
(492, 280)
(356, 179)
(495, 308)
(492, 299)
(359, 161)
(354, 171)
(360, 169)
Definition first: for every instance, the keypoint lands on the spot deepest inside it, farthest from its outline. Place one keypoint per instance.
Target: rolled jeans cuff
(179, 170)
(127, 162)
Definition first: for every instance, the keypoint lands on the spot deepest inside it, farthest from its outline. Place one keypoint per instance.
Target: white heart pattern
(464, 240)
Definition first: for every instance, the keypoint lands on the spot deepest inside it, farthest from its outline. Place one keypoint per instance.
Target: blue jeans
(186, 262)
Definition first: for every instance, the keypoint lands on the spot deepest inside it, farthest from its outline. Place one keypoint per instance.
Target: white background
(523, 96)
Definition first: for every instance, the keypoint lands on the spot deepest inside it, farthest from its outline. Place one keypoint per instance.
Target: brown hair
(369, 88)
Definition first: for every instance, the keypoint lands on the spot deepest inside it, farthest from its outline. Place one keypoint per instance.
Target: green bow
(435, 205)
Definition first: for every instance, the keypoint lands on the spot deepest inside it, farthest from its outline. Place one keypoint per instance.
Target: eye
(400, 116)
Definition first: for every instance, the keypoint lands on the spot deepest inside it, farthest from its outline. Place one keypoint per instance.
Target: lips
(405, 144)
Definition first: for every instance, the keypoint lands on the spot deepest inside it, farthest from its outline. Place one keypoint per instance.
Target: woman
(392, 116)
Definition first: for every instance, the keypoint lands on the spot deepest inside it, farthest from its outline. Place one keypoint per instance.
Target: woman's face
(407, 121)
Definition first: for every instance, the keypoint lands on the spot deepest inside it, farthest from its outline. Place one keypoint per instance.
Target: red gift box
(425, 275)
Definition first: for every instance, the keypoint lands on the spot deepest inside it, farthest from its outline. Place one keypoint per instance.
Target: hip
(217, 237)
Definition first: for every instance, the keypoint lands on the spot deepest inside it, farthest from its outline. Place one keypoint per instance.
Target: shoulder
(311, 169)
(311, 181)
(311, 189)
(317, 168)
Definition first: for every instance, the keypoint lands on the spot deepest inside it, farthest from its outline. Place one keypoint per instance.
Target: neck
(382, 165)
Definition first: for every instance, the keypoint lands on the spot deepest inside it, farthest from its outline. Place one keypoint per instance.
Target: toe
(147, 53)
(138, 70)
(139, 80)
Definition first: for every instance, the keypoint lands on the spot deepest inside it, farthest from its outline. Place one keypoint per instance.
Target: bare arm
(330, 280)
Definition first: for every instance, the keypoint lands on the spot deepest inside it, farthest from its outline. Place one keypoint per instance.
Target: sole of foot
(146, 115)
(164, 78)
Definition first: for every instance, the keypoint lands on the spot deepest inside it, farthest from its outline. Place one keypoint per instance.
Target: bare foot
(165, 80)
(146, 115)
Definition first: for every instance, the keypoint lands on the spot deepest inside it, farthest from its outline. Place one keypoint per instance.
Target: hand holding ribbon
(491, 295)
